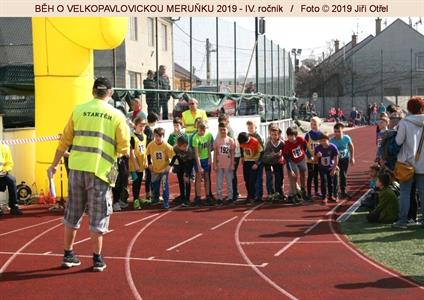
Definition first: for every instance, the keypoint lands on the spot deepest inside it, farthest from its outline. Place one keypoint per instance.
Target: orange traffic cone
(42, 197)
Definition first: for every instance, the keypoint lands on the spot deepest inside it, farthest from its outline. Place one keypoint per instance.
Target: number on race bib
(141, 148)
(248, 152)
(224, 149)
(159, 155)
(325, 161)
(297, 152)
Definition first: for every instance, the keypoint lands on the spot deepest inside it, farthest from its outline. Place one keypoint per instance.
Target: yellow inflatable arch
(64, 73)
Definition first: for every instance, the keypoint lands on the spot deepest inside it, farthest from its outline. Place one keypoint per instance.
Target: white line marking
(247, 259)
(346, 215)
(312, 227)
(223, 223)
(280, 220)
(48, 252)
(31, 226)
(285, 248)
(184, 242)
(146, 218)
(9, 261)
(151, 259)
(87, 239)
(298, 242)
(363, 257)
(128, 274)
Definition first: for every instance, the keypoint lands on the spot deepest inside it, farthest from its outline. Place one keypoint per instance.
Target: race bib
(224, 149)
(314, 145)
(297, 152)
(248, 152)
(159, 155)
(141, 148)
(325, 161)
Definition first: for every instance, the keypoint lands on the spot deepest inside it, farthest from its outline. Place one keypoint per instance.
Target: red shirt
(251, 150)
(295, 150)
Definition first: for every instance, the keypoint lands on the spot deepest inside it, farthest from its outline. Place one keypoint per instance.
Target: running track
(238, 252)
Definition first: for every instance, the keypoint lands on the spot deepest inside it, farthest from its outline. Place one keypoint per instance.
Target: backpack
(390, 148)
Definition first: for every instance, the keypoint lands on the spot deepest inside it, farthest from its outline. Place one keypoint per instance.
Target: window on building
(151, 32)
(133, 29)
(164, 36)
(420, 62)
(135, 80)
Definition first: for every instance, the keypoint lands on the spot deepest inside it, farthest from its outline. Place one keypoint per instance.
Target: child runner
(294, 151)
(138, 161)
(159, 154)
(152, 119)
(272, 161)
(202, 142)
(251, 153)
(346, 150)
(172, 140)
(326, 155)
(185, 157)
(224, 149)
(252, 130)
(312, 141)
(383, 126)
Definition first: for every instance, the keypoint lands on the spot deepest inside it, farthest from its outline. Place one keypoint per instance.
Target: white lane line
(146, 218)
(280, 220)
(48, 252)
(249, 262)
(31, 226)
(354, 207)
(312, 227)
(288, 242)
(285, 248)
(9, 261)
(128, 274)
(151, 259)
(223, 223)
(184, 242)
(87, 239)
(363, 257)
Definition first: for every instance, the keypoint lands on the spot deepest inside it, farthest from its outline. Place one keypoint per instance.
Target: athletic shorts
(205, 165)
(87, 190)
(298, 167)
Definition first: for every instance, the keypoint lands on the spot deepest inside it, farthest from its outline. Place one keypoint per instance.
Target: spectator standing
(369, 114)
(374, 113)
(91, 172)
(150, 84)
(411, 136)
(163, 84)
(381, 108)
(189, 116)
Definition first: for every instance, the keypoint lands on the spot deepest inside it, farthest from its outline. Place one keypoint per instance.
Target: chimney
(354, 40)
(336, 46)
(377, 26)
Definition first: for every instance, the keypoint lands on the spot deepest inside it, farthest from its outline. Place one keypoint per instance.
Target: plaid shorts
(87, 190)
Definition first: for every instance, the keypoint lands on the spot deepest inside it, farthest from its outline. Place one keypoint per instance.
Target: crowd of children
(194, 157)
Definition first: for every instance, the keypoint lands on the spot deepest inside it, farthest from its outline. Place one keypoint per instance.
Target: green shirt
(172, 139)
(388, 206)
(203, 144)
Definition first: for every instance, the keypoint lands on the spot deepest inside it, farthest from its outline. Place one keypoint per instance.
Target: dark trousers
(185, 186)
(343, 166)
(148, 182)
(136, 185)
(413, 206)
(235, 181)
(326, 182)
(120, 191)
(152, 105)
(274, 178)
(250, 178)
(9, 181)
(312, 175)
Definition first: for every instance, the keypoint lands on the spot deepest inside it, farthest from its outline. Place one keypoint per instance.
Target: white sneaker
(116, 207)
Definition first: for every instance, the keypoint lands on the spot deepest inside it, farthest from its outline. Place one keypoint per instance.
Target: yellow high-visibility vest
(140, 153)
(94, 146)
(6, 162)
(188, 119)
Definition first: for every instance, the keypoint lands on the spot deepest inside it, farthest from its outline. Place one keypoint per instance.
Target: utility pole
(208, 61)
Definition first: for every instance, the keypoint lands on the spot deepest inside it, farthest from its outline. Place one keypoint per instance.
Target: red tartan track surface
(268, 251)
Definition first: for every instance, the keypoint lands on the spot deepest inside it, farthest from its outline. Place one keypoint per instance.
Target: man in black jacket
(152, 103)
(164, 84)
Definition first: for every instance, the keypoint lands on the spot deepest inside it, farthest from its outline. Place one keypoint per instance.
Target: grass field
(401, 250)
